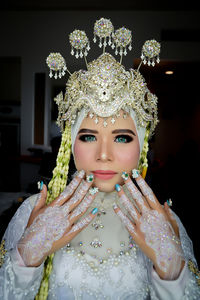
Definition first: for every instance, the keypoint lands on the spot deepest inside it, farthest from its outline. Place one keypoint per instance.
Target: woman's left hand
(152, 227)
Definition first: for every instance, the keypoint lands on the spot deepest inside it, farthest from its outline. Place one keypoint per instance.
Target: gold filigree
(192, 267)
(2, 252)
(105, 89)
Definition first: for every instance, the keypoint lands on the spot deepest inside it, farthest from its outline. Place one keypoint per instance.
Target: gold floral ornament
(194, 270)
(80, 43)
(122, 39)
(56, 63)
(103, 29)
(2, 252)
(150, 52)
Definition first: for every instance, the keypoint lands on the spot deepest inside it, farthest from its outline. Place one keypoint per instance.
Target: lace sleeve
(18, 282)
(187, 286)
(192, 288)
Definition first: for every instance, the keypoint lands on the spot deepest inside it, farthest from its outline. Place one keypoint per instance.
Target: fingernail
(124, 175)
(89, 177)
(94, 211)
(115, 205)
(169, 202)
(117, 187)
(135, 173)
(93, 190)
(40, 185)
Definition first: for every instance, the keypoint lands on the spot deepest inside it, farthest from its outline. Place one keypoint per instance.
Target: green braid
(143, 162)
(55, 187)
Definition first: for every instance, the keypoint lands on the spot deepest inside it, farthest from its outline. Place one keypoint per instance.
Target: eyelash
(127, 137)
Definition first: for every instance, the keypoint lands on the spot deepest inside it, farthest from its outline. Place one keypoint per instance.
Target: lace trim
(10, 287)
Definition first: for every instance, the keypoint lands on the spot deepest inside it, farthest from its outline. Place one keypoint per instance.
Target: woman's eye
(123, 139)
(87, 138)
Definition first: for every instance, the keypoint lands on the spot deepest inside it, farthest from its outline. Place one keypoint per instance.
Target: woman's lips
(104, 174)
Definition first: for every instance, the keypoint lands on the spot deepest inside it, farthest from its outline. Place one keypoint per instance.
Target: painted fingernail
(135, 173)
(117, 187)
(125, 175)
(89, 177)
(94, 211)
(40, 185)
(115, 205)
(169, 202)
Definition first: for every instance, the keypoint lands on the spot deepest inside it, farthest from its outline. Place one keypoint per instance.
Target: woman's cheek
(128, 158)
(82, 155)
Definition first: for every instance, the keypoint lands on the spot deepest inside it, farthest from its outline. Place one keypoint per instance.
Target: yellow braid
(143, 163)
(55, 187)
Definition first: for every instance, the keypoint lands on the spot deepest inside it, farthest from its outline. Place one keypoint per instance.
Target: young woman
(105, 235)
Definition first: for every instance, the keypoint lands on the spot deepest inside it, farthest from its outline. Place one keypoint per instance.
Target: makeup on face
(107, 152)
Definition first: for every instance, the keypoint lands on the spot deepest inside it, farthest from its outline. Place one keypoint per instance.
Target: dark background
(29, 138)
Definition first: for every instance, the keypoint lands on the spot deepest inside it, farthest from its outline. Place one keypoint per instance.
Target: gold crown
(106, 87)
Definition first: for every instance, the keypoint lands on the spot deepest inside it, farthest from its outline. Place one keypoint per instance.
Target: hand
(51, 227)
(152, 227)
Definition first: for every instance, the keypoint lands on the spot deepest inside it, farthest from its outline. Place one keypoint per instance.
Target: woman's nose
(104, 151)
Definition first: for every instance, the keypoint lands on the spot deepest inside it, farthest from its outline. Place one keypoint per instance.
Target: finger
(129, 225)
(76, 228)
(69, 190)
(78, 196)
(135, 193)
(172, 219)
(40, 203)
(41, 198)
(148, 193)
(125, 201)
(83, 206)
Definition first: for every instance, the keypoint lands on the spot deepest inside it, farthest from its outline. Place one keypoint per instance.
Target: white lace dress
(102, 262)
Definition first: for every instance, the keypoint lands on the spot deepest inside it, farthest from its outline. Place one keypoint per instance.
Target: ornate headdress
(106, 87)
(102, 90)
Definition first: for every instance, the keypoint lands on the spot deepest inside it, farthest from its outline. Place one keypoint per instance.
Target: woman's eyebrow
(123, 131)
(86, 130)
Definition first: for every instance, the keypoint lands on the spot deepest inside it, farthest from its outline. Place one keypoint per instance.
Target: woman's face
(114, 148)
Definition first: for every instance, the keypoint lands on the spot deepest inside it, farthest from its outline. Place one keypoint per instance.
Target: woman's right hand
(51, 227)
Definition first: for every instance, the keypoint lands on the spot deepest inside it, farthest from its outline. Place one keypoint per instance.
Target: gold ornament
(194, 270)
(2, 252)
